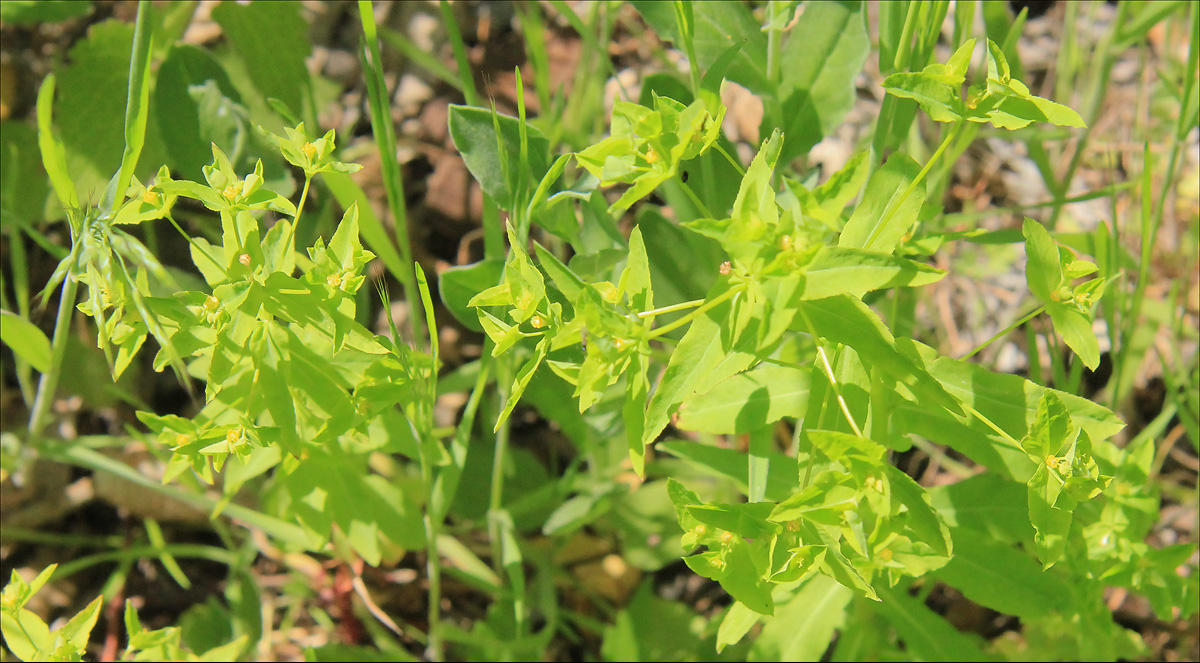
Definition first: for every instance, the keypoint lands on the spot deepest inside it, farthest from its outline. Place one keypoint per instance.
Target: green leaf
(824, 53)
(1009, 401)
(348, 192)
(885, 215)
(1076, 330)
(458, 285)
(137, 105)
(940, 101)
(987, 503)
(747, 520)
(733, 464)
(186, 128)
(683, 264)
(31, 12)
(925, 633)
(717, 27)
(474, 135)
(522, 380)
(703, 348)
(78, 629)
(327, 489)
(738, 575)
(747, 401)
(736, 623)
(1043, 268)
(24, 633)
(637, 390)
(635, 278)
(838, 270)
(922, 517)
(803, 628)
(274, 58)
(54, 156)
(27, 341)
(848, 321)
(468, 562)
(91, 108)
(1001, 577)
(653, 629)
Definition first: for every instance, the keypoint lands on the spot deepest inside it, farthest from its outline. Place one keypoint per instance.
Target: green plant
(743, 304)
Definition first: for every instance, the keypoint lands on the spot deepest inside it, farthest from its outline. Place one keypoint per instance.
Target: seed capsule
(244, 259)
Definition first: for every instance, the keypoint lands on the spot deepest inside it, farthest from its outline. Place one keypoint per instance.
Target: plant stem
(728, 294)
(833, 383)
(433, 564)
(58, 350)
(728, 157)
(772, 42)
(700, 206)
(670, 309)
(504, 378)
(1026, 318)
(990, 424)
(912, 186)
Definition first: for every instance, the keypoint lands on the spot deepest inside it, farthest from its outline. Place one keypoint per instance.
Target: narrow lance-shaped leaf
(138, 103)
(885, 213)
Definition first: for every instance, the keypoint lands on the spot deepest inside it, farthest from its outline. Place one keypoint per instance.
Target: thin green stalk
(904, 46)
(999, 335)
(192, 242)
(728, 157)
(460, 53)
(833, 382)
(291, 239)
(891, 209)
(504, 377)
(58, 350)
(433, 566)
(992, 425)
(773, 42)
(186, 550)
(393, 179)
(685, 32)
(728, 294)
(687, 190)
(670, 309)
